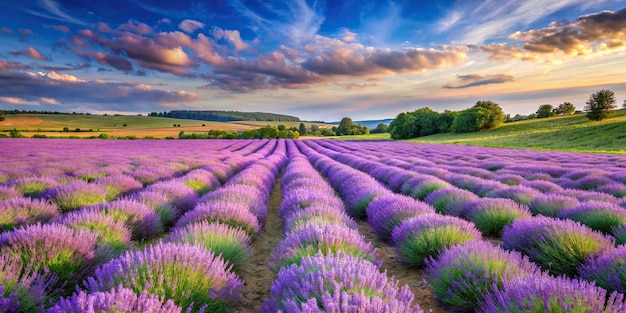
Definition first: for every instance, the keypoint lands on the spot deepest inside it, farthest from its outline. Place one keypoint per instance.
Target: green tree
(302, 129)
(445, 120)
(470, 120)
(380, 128)
(545, 110)
(600, 104)
(2, 117)
(494, 116)
(403, 126)
(565, 108)
(426, 120)
(281, 127)
(345, 127)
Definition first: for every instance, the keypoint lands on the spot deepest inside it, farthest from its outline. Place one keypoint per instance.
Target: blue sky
(318, 60)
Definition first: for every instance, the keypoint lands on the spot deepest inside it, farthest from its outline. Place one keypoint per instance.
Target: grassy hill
(52, 125)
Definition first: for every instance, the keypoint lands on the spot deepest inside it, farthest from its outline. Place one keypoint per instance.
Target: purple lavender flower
(579, 174)
(181, 196)
(17, 212)
(150, 174)
(509, 179)
(359, 195)
(7, 192)
(336, 283)
(486, 187)
(167, 213)
(619, 176)
(559, 246)
(597, 196)
(592, 182)
(607, 270)
(539, 177)
(615, 189)
(22, 287)
(450, 201)
(303, 198)
(142, 220)
(190, 275)
(248, 196)
(319, 214)
(69, 254)
(466, 182)
(521, 194)
(600, 216)
(233, 244)
(88, 174)
(543, 186)
(118, 299)
(385, 212)
(201, 181)
(491, 215)
(551, 204)
(113, 233)
(232, 214)
(423, 189)
(544, 293)
(424, 236)
(413, 181)
(312, 239)
(76, 195)
(34, 186)
(462, 275)
(619, 232)
(398, 179)
(118, 185)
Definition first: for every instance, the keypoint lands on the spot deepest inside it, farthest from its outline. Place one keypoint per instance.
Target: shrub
(551, 204)
(600, 216)
(75, 195)
(359, 196)
(462, 275)
(336, 283)
(233, 244)
(592, 182)
(34, 186)
(619, 232)
(544, 293)
(509, 179)
(67, 253)
(118, 185)
(303, 198)
(231, 214)
(423, 189)
(491, 215)
(117, 299)
(201, 181)
(112, 233)
(312, 239)
(177, 193)
(22, 289)
(559, 246)
(543, 186)
(607, 270)
(450, 201)
(192, 276)
(600, 105)
(321, 215)
(7, 192)
(17, 212)
(167, 213)
(385, 212)
(614, 189)
(520, 194)
(418, 238)
(142, 220)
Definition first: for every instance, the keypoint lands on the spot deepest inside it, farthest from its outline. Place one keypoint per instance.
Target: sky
(317, 60)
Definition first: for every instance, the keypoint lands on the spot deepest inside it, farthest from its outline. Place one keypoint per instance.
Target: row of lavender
(42, 262)
(323, 263)
(561, 247)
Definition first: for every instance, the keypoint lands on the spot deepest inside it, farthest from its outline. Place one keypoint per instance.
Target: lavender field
(308, 226)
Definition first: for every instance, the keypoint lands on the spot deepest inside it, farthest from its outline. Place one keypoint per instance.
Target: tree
(345, 126)
(302, 129)
(470, 120)
(281, 127)
(445, 120)
(403, 126)
(426, 120)
(2, 117)
(600, 104)
(494, 116)
(380, 128)
(565, 108)
(545, 110)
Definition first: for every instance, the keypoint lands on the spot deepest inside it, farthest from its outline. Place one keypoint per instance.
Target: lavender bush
(140, 218)
(607, 270)
(17, 212)
(321, 215)
(423, 189)
(7, 192)
(34, 186)
(544, 293)
(336, 283)
(491, 215)
(385, 212)
(22, 288)
(559, 246)
(551, 204)
(118, 299)
(462, 275)
(233, 244)
(450, 201)
(418, 238)
(190, 275)
(118, 185)
(75, 195)
(231, 214)
(600, 216)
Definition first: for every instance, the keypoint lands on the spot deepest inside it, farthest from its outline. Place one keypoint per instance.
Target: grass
(566, 133)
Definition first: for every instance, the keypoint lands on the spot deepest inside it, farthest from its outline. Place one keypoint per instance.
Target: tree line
(226, 116)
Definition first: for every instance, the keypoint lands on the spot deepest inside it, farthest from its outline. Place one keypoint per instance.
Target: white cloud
(190, 26)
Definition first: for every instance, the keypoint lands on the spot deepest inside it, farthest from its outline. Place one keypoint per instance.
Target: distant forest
(226, 116)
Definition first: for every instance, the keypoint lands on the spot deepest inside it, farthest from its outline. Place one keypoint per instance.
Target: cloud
(589, 34)
(24, 32)
(61, 28)
(114, 61)
(6, 65)
(473, 80)
(347, 36)
(190, 26)
(17, 101)
(31, 53)
(231, 36)
(55, 89)
(136, 27)
(6, 30)
(49, 9)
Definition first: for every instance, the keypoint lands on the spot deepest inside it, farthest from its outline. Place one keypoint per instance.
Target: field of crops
(308, 226)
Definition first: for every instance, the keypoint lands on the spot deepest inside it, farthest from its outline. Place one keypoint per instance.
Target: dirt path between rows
(257, 276)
